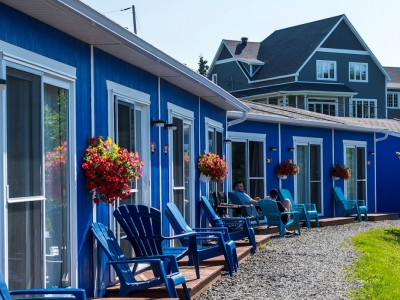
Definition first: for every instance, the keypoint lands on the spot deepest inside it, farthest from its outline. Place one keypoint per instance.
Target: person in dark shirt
(285, 207)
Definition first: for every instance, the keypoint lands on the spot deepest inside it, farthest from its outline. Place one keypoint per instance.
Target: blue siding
(342, 38)
(388, 179)
(225, 54)
(30, 34)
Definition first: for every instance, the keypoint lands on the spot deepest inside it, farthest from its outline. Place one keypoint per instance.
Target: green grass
(378, 266)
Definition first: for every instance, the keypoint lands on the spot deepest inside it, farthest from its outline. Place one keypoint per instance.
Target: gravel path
(309, 266)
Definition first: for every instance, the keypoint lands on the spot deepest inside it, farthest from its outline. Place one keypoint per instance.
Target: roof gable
(343, 38)
(225, 54)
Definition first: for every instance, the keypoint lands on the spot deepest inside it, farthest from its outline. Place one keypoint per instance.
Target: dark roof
(295, 86)
(394, 73)
(285, 50)
(292, 113)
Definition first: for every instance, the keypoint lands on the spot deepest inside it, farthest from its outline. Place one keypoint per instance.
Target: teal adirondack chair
(271, 211)
(169, 276)
(349, 207)
(306, 211)
(5, 294)
(250, 212)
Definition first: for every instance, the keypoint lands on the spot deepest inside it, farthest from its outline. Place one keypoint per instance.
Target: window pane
(256, 188)
(389, 100)
(352, 71)
(24, 136)
(315, 162)
(57, 226)
(315, 195)
(302, 158)
(187, 151)
(361, 188)
(332, 70)
(357, 67)
(238, 162)
(319, 70)
(363, 72)
(256, 159)
(395, 101)
(211, 141)
(360, 163)
(350, 162)
(326, 74)
(124, 132)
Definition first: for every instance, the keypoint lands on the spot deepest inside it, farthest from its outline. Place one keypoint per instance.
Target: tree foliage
(203, 67)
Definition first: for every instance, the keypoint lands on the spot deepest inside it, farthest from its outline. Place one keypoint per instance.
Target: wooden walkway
(210, 269)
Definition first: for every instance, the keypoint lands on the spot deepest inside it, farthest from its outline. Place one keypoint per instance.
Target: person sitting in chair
(285, 207)
(245, 199)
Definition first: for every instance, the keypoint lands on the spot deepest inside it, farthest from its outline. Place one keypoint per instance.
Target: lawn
(378, 266)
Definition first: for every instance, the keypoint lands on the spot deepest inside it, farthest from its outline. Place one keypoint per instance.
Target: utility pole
(134, 19)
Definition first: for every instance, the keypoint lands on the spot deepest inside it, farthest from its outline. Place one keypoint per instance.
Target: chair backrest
(270, 210)
(246, 212)
(109, 244)
(339, 197)
(4, 293)
(177, 221)
(210, 213)
(285, 194)
(142, 226)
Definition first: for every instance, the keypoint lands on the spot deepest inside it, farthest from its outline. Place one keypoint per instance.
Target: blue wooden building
(71, 74)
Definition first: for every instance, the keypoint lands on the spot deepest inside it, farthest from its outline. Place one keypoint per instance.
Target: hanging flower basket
(109, 169)
(204, 178)
(287, 168)
(340, 171)
(212, 166)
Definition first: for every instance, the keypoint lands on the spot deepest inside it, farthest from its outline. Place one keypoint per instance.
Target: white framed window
(324, 107)
(214, 78)
(393, 100)
(363, 108)
(39, 170)
(358, 72)
(326, 70)
(309, 182)
(246, 162)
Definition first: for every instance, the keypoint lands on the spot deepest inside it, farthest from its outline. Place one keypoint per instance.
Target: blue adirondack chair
(271, 211)
(5, 294)
(225, 245)
(349, 207)
(142, 226)
(244, 229)
(306, 211)
(170, 277)
(253, 216)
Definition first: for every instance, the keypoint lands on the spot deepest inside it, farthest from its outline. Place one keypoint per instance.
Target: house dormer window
(326, 70)
(358, 72)
(214, 78)
(393, 100)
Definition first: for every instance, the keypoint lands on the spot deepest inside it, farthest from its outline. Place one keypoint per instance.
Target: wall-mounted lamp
(227, 141)
(2, 84)
(290, 149)
(171, 126)
(371, 153)
(272, 148)
(158, 123)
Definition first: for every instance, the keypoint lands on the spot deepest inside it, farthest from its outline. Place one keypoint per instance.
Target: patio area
(212, 270)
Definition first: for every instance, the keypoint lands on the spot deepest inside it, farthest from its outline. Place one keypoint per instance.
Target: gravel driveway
(309, 266)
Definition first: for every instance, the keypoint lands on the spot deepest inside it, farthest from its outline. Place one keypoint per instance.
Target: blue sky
(184, 29)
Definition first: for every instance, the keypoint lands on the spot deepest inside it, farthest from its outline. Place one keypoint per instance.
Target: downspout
(94, 206)
(377, 140)
(237, 121)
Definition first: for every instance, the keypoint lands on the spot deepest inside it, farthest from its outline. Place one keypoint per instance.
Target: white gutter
(382, 138)
(237, 121)
(375, 141)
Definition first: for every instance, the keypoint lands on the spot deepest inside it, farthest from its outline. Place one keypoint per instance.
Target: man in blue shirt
(245, 199)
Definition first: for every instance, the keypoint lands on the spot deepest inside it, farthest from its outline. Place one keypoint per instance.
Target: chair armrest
(223, 231)
(78, 293)
(310, 206)
(186, 234)
(359, 202)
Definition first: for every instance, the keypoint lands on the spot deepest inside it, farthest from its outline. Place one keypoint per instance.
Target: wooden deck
(210, 269)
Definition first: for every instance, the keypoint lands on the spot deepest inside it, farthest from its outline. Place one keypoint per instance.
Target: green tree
(203, 67)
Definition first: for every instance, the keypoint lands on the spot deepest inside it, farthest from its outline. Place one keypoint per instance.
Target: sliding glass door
(356, 186)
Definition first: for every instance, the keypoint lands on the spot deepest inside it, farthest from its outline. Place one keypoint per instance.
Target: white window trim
(140, 99)
(351, 104)
(353, 144)
(51, 71)
(366, 75)
(328, 62)
(298, 140)
(187, 117)
(398, 100)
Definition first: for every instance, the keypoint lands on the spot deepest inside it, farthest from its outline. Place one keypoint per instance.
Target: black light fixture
(228, 141)
(272, 148)
(171, 126)
(2, 84)
(371, 153)
(290, 149)
(158, 123)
